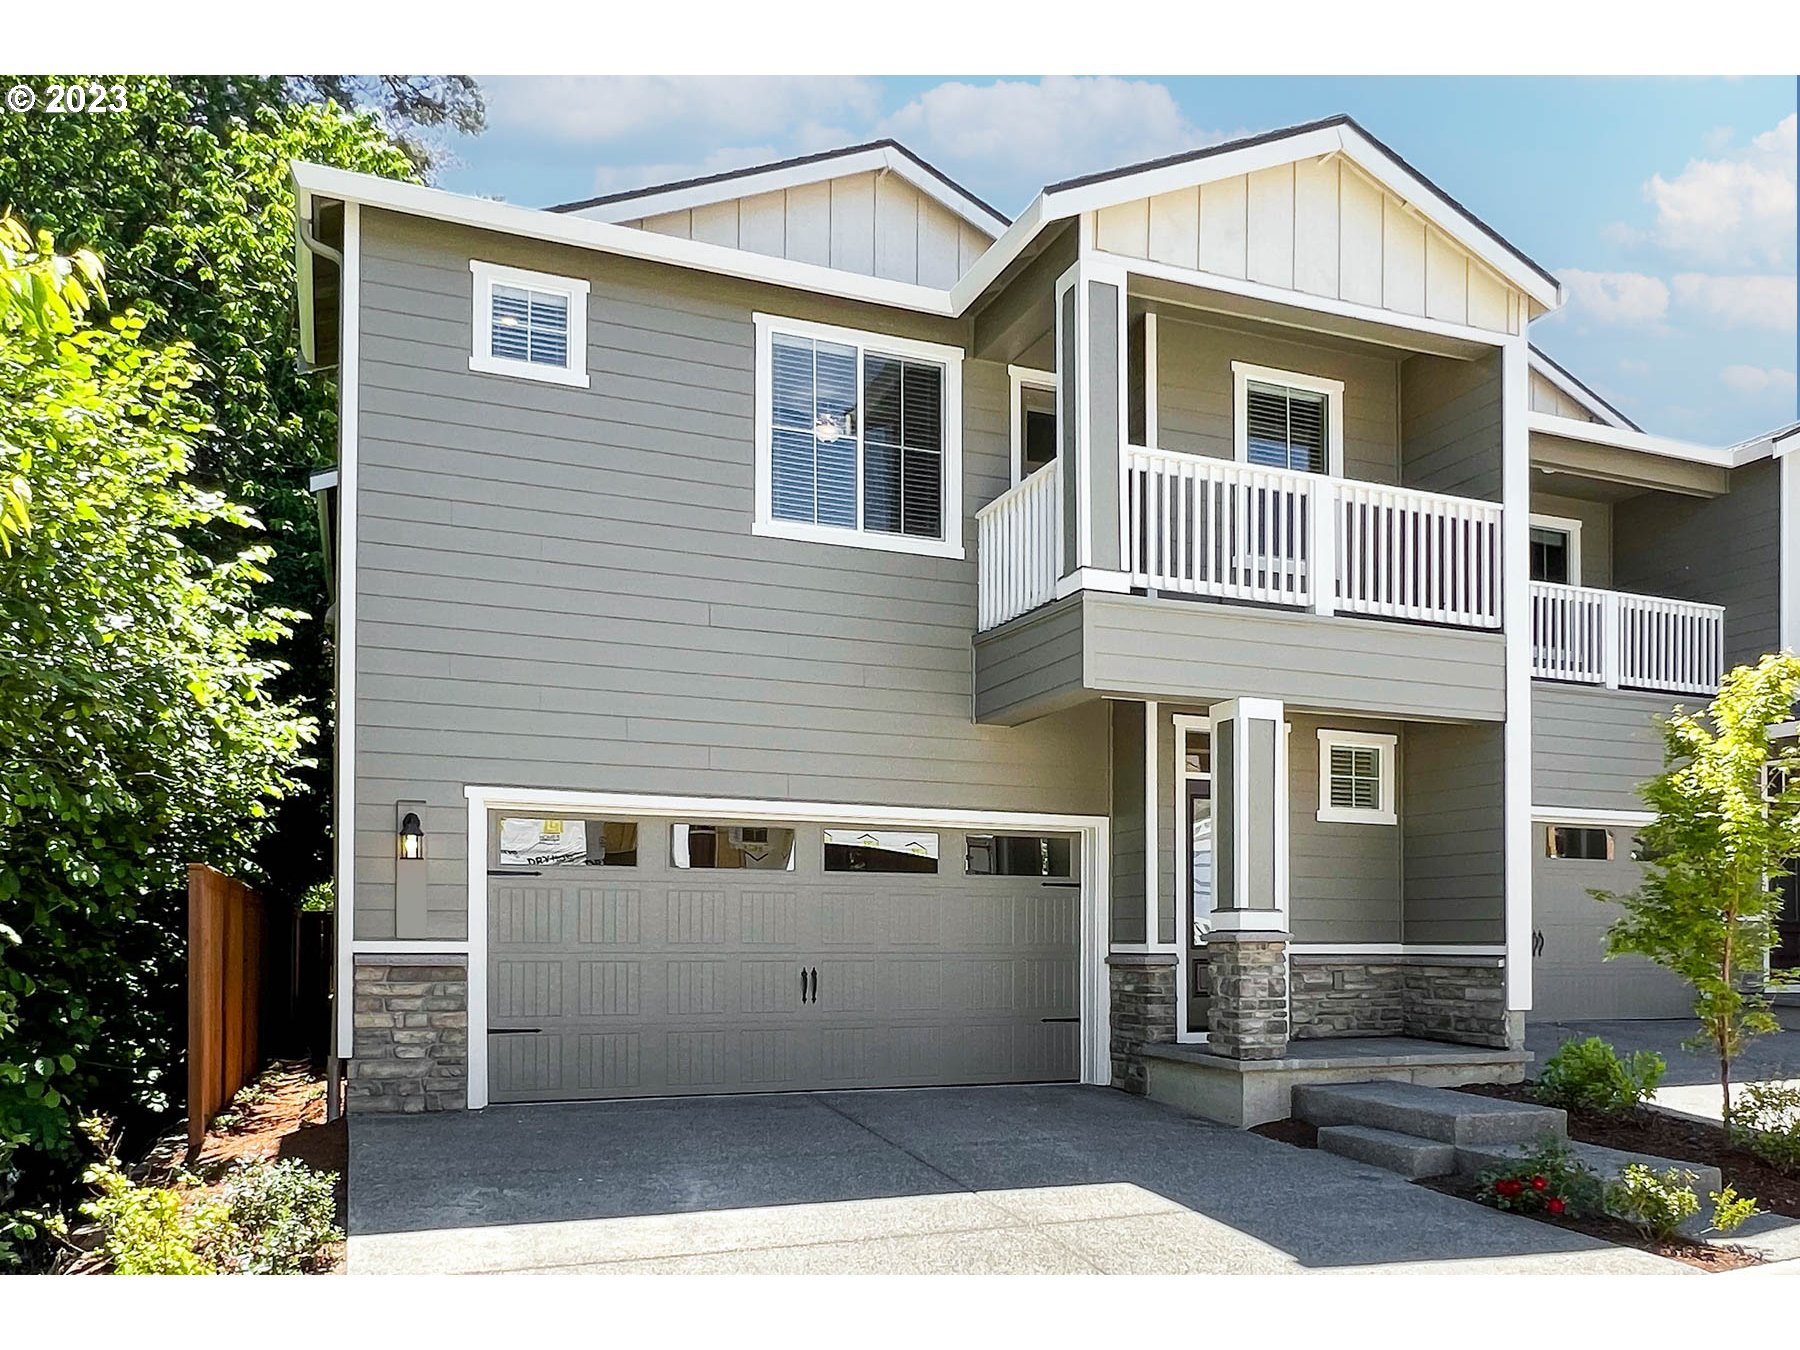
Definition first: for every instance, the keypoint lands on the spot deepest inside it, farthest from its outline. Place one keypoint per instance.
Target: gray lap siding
(559, 587)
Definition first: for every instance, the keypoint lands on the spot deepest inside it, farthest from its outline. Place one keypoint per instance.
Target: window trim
(1565, 525)
(1243, 372)
(1019, 379)
(1388, 746)
(487, 275)
(765, 524)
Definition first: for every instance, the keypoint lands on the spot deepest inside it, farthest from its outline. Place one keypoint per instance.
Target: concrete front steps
(1422, 1132)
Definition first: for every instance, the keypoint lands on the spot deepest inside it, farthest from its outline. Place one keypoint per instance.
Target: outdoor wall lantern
(410, 919)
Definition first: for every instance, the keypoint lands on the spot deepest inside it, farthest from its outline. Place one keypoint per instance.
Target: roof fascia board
(1544, 366)
(755, 182)
(998, 256)
(1620, 438)
(603, 236)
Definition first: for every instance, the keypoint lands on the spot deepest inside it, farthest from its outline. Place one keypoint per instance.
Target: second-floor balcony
(1585, 635)
(1198, 526)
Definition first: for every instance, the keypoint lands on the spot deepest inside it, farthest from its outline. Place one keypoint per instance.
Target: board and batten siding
(1453, 827)
(1320, 227)
(558, 587)
(1194, 390)
(876, 224)
(1591, 748)
(1547, 398)
(1450, 425)
(1719, 550)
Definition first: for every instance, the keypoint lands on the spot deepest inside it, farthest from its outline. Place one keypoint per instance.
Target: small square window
(912, 851)
(1356, 778)
(768, 848)
(1582, 843)
(1019, 855)
(529, 324)
(1556, 550)
(1033, 420)
(1287, 420)
(542, 841)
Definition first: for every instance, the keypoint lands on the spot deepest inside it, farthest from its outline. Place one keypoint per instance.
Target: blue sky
(1667, 206)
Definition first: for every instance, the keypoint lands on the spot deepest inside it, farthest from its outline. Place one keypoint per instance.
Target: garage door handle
(515, 1031)
(1059, 1019)
(1537, 943)
(815, 984)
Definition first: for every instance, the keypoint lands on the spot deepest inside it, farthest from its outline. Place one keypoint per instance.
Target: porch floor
(1348, 1052)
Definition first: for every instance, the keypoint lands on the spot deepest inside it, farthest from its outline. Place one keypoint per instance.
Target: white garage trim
(1575, 815)
(1096, 845)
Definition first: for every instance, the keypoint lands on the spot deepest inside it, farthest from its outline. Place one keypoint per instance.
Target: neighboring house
(799, 629)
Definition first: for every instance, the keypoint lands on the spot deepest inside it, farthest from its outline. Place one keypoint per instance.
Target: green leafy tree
(139, 730)
(1727, 819)
(188, 200)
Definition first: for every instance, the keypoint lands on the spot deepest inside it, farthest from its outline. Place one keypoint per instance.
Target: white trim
(572, 289)
(1623, 438)
(1093, 579)
(1790, 548)
(1303, 300)
(1243, 372)
(777, 178)
(1515, 552)
(1566, 525)
(412, 946)
(344, 646)
(1393, 949)
(1075, 439)
(1566, 384)
(1018, 379)
(1151, 372)
(1575, 815)
(322, 480)
(1388, 748)
(1096, 863)
(1182, 880)
(562, 228)
(950, 358)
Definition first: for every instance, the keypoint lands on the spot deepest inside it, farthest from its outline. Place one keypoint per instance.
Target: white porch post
(1516, 609)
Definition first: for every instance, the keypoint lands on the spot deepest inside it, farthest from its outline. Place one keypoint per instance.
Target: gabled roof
(717, 187)
(1332, 135)
(1560, 376)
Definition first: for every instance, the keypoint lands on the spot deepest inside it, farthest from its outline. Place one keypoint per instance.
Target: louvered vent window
(1356, 777)
(857, 440)
(1286, 427)
(531, 326)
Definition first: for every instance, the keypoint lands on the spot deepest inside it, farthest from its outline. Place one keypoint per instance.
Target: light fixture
(827, 428)
(412, 837)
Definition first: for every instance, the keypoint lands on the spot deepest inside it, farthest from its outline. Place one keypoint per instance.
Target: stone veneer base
(1143, 1011)
(411, 1025)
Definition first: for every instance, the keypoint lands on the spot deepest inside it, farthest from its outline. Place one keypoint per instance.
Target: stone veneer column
(411, 1019)
(1143, 1011)
(1247, 1017)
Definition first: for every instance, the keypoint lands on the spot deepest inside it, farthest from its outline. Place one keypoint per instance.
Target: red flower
(1538, 1183)
(1508, 1187)
(1554, 1204)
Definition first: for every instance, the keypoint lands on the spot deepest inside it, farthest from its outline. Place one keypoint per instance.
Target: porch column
(1090, 381)
(1247, 943)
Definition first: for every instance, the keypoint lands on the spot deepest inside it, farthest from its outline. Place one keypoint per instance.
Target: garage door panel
(661, 981)
(1572, 979)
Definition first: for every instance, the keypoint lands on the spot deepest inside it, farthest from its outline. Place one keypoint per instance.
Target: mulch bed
(1666, 1136)
(1295, 1132)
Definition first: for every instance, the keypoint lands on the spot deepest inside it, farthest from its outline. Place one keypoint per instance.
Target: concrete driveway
(990, 1180)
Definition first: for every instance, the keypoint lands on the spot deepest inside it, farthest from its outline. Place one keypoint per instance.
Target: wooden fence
(226, 935)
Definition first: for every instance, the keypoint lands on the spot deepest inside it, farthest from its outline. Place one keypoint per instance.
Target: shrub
(1765, 1119)
(1731, 1209)
(1657, 1202)
(1589, 1075)
(149, 1230)
(282, 1217)
(1547, 1181)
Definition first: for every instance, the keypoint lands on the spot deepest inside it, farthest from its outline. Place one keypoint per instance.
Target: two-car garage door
(654, 957)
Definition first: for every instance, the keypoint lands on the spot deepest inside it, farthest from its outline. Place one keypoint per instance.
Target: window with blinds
(856, 440)
(1356, 777)
(1285, 427)
(530, 326)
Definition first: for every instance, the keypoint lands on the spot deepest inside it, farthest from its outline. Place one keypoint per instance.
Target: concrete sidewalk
(991, 1180)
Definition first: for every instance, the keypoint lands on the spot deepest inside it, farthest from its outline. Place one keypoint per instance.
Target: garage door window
(1581, 843)
(1018, 855)
(544, 841)
(732, 847)
(881, 851)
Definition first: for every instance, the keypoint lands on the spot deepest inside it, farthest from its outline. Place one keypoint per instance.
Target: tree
(187, 199)
(138, 727)
(1727, 819)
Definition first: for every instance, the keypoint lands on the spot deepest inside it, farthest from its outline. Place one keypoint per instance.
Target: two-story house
(798, 628)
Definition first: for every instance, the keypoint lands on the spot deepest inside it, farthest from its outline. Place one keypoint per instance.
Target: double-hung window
(1285, 420)
(858, 438)
(529, 324)
(1356, 777)
(1556, 550)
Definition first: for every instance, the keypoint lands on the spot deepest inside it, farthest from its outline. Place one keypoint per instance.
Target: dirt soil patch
(1666, 1136)
(1295, 1132)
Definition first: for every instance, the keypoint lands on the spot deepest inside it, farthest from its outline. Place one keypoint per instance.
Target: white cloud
(1048, 129)
(1739, 302)
(1616, 297)
(1634, 368)
(592, 109)
(1736, 209)
(1757, 380)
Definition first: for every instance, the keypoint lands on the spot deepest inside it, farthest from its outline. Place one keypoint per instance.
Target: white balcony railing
(1589, 636)
(1216, 527)
(1019, 541)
